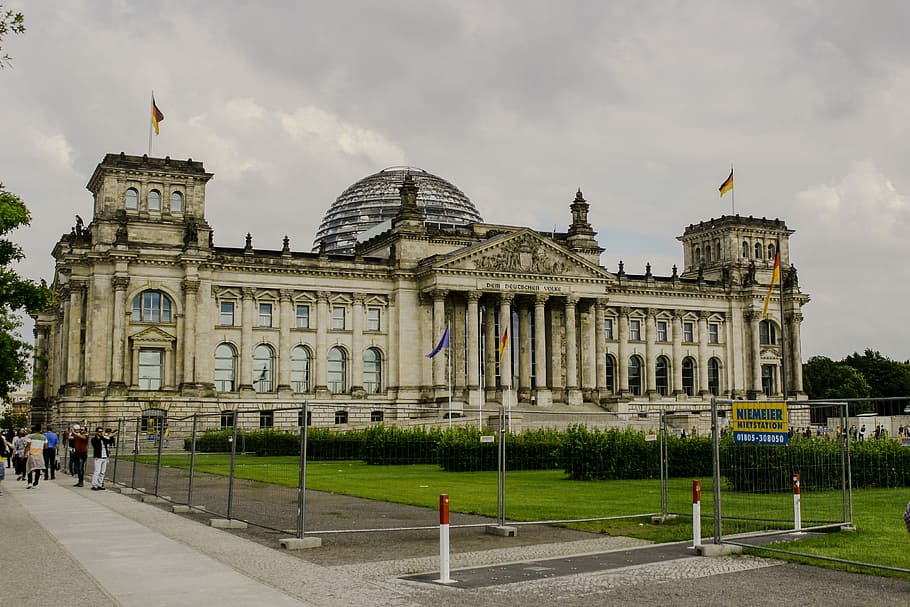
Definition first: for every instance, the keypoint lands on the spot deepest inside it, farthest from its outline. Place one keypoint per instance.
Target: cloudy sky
(643, 105)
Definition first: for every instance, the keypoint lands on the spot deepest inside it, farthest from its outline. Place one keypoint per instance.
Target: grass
(880, 537)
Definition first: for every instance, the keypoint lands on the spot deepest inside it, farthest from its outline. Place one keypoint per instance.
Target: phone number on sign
(760, 437)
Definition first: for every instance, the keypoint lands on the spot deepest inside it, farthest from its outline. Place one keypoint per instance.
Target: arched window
(714, 377)
(372, 371)
(745, 249)
(337, 370)
(300, 369)
(708, 253)
(767, 333)
(697, 255)
(154, 200)
(225, 368)
(152, 306)
(176, 202)
(611, 374)
(661, 375)
(688, 376)
(771, 251)
(720, 254)
(263, 368)
(758, 250)
(635, 375)
(132, 199)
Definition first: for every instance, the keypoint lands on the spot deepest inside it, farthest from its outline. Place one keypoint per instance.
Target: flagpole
(149, 118)
(733, 191)
(449, 379)
(480, 365)
(783, 330)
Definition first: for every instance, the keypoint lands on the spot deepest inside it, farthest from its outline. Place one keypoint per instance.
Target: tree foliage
(824, 378)
(17, 294)
(884, 376)
(10, 23)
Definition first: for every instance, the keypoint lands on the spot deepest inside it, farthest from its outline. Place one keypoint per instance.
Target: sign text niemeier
(763, 423)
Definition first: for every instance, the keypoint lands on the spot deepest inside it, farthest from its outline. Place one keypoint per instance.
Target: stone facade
(153, 316)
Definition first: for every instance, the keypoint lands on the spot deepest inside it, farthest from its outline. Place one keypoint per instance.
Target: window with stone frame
(661, 330)
(303, 316)
(373, 318)
(608, 328)
(266, 419)
(265, 315)
(688, 332)
(713, 333)
(338, 318)
(634, 329)
(153, 307)
(150, 368)
(226, 314)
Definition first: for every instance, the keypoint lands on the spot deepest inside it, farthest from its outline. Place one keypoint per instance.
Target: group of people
(37, 455)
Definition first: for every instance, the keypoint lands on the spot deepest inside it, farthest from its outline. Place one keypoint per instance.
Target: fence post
(664, 468)
(696, 514)
(230, 503)
(301, 481)
(444, 540)
(797, 514)
(501, 472)
(715, 439)
(135, 452)
(189, 489)
(160, 445)
(118, 434)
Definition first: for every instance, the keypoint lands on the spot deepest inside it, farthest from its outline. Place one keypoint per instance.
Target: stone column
(473, 353)
(357, 344)
(703, 353)
(439, 327)
(622, 322)
(490, 345)
(322, 338)
(247, 317)
(118, 336)
(753, 318)
(190, 289)
(285, 321)
(39, 362)
(74, 347)
(505, 324)
(600, 345)
(524, 347)
(677, 353)
(573, 394)
(795, 377)
(543, 396)
(650, 367)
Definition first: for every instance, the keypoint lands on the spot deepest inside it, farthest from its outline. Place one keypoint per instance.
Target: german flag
(775, 278)
(157, 116)
(727, 185)
(503, 342)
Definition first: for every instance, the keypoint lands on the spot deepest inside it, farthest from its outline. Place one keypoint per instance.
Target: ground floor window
(150, 362)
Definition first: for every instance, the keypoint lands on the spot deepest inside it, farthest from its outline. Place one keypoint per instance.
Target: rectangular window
(303, 317)
(266, 419)
(227, 419)
(661, 330)
(227, 314)
(150, 369)
(372, 319)
(608, 328)
(265, 315)
(714, 333)
(338, 317)
(688, 332)
(635, 329)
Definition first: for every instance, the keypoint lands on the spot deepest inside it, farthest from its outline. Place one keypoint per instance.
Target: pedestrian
(19, 447)
(10, 435)
(79, 440)
(862, 432)
(907, 517)
(34, 465)
(4, 456)
(50, 453)
(102, 443)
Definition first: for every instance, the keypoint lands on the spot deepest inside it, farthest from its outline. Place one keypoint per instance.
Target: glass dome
(375, 200)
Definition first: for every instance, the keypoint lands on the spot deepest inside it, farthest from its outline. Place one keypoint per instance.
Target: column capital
(358, 298)
(540, 299)
(285, 294)
(794, 316)
(506, 298)
(322, 296)
(77, 284)
(120, 283)
(571, 300)
(440, 294)
(248, 292)
(474, 296)
(678, 314)
(752, 315)
(190, 286)
(625, 310)
(601, 303)
(704, 314)
(650, 312)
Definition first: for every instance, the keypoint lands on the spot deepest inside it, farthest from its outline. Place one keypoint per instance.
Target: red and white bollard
(444, 540)
(797, 514)
(696, 514)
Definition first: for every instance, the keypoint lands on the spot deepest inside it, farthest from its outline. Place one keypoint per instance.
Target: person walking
(50, 453)
(34, 465)
(102, 443)
(79, 441)
(4, 456)
(19, 447)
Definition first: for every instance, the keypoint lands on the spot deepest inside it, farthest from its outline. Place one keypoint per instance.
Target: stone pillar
(600, 345)
(190, 289)
(39, 362)
(622, 328)
(357, 320)
(677, 353)
(473, 353)
(490, 345)
(439, 326)
(505, 324)
(795, 376)
(753, 318)
(322, 338)
(543, 397)
(573, 394)
(650, 366)
(703, 353)
(74, 347)
(247, 317)
(118, 335)
(524, 347)
(285, 321)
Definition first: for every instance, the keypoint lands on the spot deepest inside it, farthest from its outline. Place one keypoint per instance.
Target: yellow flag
(775, 277)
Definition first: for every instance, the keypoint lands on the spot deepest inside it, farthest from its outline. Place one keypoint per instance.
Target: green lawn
(547, 495)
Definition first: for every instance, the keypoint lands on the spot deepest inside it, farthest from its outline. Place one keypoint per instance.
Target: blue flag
(443, 343)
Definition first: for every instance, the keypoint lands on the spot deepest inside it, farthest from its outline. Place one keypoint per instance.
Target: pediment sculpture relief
(522, 256)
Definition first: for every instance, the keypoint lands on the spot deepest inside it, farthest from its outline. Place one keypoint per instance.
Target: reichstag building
(153, 315)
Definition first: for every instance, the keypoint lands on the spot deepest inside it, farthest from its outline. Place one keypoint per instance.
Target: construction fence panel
(209, 449)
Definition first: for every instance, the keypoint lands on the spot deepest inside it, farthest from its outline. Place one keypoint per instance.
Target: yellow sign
(760, 423)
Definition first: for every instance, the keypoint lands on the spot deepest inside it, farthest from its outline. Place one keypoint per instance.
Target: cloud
(312, 128)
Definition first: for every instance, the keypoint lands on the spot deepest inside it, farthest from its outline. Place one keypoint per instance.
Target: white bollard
(444, 540)
(696, 514)
(797, 513)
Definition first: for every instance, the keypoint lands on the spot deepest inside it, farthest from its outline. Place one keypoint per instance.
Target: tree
(10, 23)
(884, 376)
(16, 295)
(823, 378)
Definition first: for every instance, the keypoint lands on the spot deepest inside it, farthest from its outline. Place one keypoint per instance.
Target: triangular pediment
(523, 252)
(153, 335)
